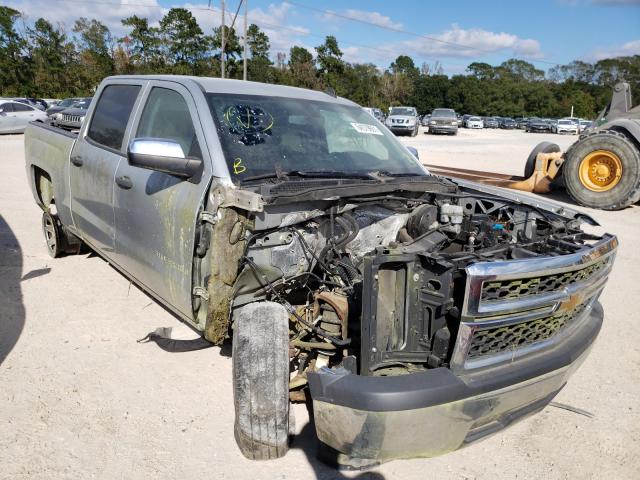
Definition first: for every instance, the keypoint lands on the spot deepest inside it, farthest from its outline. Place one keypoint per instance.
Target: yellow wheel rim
(600, 171)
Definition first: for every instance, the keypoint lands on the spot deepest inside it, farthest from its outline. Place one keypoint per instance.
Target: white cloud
(274, 20)
(626, 49)
(467, 43)
(66, 13)
(372, 17)
(376, 18)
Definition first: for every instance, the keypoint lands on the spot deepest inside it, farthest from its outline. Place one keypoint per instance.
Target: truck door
(94, 160)
(156, 213)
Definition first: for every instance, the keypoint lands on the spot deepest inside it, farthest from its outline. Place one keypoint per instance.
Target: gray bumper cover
(369, 420)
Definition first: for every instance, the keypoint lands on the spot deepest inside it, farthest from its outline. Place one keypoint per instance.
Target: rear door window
(6, 107)
(112, 114)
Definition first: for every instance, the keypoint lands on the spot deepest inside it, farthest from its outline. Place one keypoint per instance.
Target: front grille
(522, 287)
(495, 340)
(71, 118)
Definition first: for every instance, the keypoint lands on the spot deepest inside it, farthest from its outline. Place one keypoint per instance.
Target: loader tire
(260, 352)
(602, 170)
(542, 147)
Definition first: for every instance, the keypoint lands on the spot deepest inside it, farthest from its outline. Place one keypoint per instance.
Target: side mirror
(413, 151)
(162, 155)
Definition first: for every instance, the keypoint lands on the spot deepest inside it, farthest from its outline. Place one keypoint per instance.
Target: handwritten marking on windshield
(238, 167)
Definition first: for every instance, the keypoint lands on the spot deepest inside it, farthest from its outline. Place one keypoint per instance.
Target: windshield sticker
(251, 123)
(366, 128)
(238, 167)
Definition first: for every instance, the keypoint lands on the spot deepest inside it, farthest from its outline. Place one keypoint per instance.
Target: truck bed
(47, 152)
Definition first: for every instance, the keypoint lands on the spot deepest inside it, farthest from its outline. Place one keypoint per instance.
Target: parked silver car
(15, 116)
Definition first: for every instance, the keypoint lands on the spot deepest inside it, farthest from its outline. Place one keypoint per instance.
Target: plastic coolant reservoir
(451, 213)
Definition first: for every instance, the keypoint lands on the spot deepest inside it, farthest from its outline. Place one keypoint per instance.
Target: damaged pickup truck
(416, 314)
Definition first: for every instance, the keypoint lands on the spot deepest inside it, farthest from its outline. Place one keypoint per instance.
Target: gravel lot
(79, 398)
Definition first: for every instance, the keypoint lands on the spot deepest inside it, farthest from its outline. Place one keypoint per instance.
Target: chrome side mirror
(162, 155)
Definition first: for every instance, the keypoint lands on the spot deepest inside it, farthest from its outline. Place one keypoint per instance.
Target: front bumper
(368, 420)
(402, 128)
(443, 128)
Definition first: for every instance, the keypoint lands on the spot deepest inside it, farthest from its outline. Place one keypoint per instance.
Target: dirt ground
(79, 398)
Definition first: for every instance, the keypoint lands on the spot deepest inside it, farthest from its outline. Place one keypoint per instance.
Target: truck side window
(111, 115)
(166, 115)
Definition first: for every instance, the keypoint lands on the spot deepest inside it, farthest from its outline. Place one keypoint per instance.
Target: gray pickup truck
(415, 313)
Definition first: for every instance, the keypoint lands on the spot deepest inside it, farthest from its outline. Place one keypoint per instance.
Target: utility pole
(244, 63)
(222, 33)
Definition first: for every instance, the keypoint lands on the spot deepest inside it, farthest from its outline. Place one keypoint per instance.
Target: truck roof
(225, 85)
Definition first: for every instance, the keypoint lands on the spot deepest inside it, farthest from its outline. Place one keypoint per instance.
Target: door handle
(124, 182)
(77, 161)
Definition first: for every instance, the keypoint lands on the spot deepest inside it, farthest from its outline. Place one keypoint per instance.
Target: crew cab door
(94, 159)
(156, 213)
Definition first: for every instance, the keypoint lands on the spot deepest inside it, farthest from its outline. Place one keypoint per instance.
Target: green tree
(15, 64)
(95, 45)
(258, 42)
(144, 44)
(185, 44)
(302, 71)
(330, 56)
(52, 56)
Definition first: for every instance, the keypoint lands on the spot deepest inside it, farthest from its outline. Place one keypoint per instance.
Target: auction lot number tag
(366, 128)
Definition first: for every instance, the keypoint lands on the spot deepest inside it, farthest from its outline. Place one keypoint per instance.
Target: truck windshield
(402, 111)
(443, 113)
(261, 135)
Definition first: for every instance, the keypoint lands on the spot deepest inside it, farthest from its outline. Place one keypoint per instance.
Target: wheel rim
(600, 171)
(50, 234)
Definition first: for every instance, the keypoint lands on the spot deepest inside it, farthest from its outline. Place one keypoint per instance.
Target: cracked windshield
(263, 135)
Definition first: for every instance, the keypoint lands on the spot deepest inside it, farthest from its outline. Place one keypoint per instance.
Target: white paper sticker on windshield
(366, 128)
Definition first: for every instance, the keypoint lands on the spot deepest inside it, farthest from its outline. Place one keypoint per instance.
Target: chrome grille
(71, 118)
(510, 289)
(513, 308)
(495, 340)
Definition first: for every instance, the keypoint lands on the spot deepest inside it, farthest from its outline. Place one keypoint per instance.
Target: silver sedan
(15, 116)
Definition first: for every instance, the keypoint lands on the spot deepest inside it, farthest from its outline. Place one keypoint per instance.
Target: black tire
(414, 132)
(626, 192)
(542, 147)
(261, 380)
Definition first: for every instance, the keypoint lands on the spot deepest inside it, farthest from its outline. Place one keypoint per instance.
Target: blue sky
(451, 32)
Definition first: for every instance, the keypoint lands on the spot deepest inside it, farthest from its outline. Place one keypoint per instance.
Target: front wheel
(602, 170)
(261, 379)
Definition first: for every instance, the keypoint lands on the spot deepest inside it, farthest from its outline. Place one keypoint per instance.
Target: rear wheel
(261, 379)
(58, 241)
(53, 237)
(602, 170)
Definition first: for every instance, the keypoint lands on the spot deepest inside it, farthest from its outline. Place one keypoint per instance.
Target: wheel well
(44, 187)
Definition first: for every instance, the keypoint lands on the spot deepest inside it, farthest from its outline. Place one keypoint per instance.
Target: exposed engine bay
(374, 284)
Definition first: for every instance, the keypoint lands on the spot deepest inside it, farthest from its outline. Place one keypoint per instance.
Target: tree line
(45, 60)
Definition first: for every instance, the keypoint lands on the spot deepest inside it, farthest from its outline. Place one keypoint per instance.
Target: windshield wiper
(310, 174)
(387, 173)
